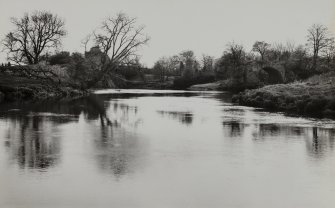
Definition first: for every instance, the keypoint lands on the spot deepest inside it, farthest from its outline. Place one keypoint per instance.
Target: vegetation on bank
(238, 69)
(32, 52)
(21, 88)
(312, 97)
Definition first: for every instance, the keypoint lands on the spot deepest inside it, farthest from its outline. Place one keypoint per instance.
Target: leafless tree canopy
(207, 62)
(261, 47)
(32, 35)
(319, 38)
(119, 38)
(86, 41)
(237, 53)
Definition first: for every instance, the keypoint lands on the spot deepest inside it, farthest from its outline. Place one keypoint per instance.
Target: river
(149, 149)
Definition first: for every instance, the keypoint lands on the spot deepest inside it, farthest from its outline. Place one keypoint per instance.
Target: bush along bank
(37, 92)
(290, 99)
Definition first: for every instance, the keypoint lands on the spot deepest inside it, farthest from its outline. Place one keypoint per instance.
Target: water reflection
(319, 141)
(182, 117)
(117, 151)
(269, 130)
(234, 128)
(33, 137)
(123, 113)
(108, 148)
(32, 143)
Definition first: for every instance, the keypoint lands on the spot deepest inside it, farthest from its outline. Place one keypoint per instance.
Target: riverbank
(314, 97)
(20, 88)
(224, 85)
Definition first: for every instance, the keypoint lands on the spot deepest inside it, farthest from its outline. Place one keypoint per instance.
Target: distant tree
(181, 67)
(190, 64)
(188, 54)
(32, 35)
(60, 58)
(174, 65)
(290, 46)
(86, 41)
(329, 53)
(118, 39)
(232, 63)
(236, 53)
(207, 63)
(261, 47)
(319, 38)
(280, 52)
(188, 73)
(298, 63)
(161, 67)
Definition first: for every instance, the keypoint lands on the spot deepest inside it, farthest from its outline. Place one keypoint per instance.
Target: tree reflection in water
(234, 128)
(33, 136)
(33, 143)
(118, 151)
(34, 139)
(318, 141)
(182, 117)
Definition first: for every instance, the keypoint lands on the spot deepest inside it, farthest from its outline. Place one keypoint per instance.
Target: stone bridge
(276, 73)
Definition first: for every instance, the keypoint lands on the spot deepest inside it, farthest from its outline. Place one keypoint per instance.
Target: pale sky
(204, 26)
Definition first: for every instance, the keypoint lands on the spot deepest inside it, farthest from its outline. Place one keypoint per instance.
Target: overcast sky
(205, 26)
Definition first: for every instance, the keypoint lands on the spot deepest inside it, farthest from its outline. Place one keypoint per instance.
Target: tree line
(316, 56)
(37, 35)
(110, 53)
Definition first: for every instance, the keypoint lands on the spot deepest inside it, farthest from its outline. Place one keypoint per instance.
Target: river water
(143, 149)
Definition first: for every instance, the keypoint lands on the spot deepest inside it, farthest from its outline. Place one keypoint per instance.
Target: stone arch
(275, 77)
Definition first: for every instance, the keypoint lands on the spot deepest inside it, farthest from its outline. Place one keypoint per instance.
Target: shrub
(301, 104)
(315, 106)
(60, 58)
(329, 113)
(184, 82)
(331, 104)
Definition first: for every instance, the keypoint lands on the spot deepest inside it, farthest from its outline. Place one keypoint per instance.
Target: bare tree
(290, 46)
(118, 38)
(188, 54)
(190, 62)
(280, 52)
(261, 47)
(86, 41)
(207, 63)
(236, 53)
(174, 64)
(161, 67)
(318, 38)
(32, 35)
(329, 52)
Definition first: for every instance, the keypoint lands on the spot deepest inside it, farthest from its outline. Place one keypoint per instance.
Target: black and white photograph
(167, 104)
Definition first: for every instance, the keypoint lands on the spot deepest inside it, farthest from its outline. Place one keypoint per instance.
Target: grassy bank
(313, 97)
(14, 88)
(223, 85)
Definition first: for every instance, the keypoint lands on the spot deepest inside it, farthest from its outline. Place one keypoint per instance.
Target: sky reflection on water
(162, 149)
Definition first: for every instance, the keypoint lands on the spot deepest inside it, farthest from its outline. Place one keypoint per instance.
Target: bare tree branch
(33, 34)
(118, 38)
(318, 38)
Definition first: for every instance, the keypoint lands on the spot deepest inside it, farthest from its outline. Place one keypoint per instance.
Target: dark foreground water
(152, 149)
